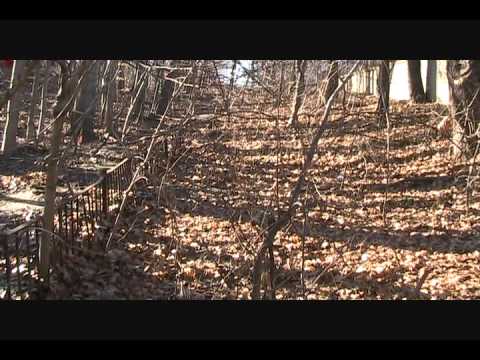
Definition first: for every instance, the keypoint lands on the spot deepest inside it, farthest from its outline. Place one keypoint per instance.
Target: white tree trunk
(9, 143)
(33, 105)
(44, 97)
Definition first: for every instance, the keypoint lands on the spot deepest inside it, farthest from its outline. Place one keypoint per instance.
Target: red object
(8, 63)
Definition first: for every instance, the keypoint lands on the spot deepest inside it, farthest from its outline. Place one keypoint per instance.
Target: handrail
(10, 232)
(64, 200)
(76, 215)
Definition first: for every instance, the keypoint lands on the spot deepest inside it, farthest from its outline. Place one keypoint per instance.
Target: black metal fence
(76, 224)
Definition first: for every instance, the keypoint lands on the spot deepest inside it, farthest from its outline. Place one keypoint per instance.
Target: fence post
(4, 242)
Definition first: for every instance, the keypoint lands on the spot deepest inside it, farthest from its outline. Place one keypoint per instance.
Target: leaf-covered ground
(374, 226)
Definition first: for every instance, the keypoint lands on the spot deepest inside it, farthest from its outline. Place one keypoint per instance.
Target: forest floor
(362, 239)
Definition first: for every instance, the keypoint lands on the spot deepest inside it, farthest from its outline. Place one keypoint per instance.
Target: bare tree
(44, 99)
(417, 92)
(65, 98)
(300, 68)
(285, 217)
(156, 92)
(383, 88)
(139, 92)
(332, 80)
(33, 104)
(136, 100)
(464, 82)
(85, 119)
(166, 93)
(110, 94)
(17, 85)
(9, 143)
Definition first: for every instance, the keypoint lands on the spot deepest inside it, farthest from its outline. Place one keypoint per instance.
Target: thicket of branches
(146, 108)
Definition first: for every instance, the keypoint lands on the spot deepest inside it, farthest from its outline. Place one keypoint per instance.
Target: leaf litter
(419, 244)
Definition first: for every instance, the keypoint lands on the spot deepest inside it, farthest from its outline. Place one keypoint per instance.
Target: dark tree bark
(87, 107)
(300, 68)
(332, 80)
(417, 92)
(464, 83)
(166, 94)
(121, 78)
(156, 91)
(431, 86)
(383, 88)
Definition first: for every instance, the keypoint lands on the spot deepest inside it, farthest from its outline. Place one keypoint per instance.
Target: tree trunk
(156, 91)
(110, 96)
(33, 105)
(193, 77)
(137, 103)
(332, 80)
(122, 74)
(166, 94)
(44, 98)
(383, 89)
(86, 107)
(464, 83)
(136, 100)
(232, 86)
(300, 68)
(9, 143)
(141, 103)
(134, 87)
(62, 107)
(417, 92)
(431, 86)
(105, 73)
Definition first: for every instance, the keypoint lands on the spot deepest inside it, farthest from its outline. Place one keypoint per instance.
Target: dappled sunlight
(181, 204)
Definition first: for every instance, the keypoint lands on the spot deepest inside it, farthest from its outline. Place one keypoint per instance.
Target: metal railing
(76, 223)
(19, 259)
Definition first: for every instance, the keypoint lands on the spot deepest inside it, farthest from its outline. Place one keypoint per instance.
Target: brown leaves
(427, 249)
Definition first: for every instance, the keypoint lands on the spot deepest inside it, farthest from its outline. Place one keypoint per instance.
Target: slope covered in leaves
(376, 224)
